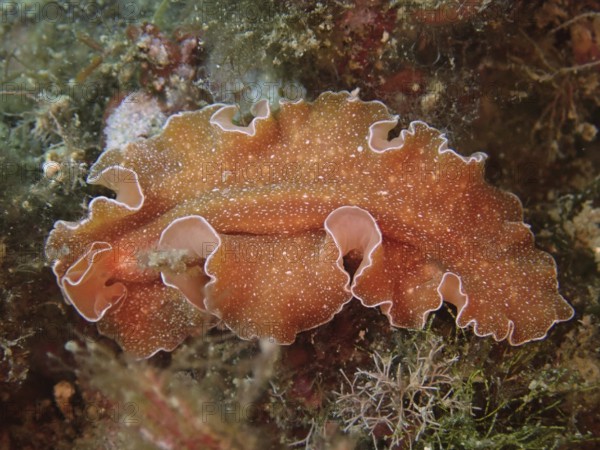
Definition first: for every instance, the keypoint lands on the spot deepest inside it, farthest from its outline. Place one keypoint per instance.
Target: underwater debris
(397, 401)
(138, 116)
(585, 229)
(133, 405)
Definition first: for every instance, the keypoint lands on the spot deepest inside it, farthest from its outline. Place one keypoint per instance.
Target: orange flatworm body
(258, 225)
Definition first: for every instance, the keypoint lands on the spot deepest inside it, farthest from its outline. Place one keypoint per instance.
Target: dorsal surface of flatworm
(253, 224)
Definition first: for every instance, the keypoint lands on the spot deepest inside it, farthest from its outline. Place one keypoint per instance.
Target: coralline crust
(258, 226)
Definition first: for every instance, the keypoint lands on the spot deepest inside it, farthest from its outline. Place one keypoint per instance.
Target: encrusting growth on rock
(254, 224)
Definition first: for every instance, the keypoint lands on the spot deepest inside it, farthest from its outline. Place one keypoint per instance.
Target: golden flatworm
(252, 224)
